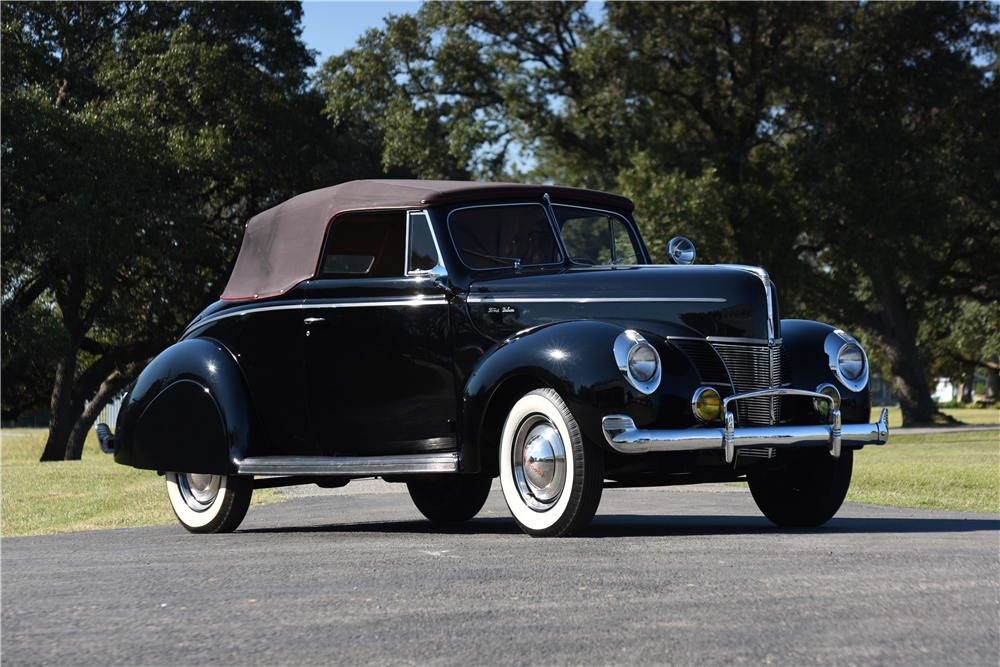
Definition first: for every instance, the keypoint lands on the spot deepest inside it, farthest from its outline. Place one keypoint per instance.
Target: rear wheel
(455, 498)
(807, 491)
(551, 476)
(209, 503)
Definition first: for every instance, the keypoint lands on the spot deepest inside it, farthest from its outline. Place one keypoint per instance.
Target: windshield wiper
(513, 261)
(621, 259)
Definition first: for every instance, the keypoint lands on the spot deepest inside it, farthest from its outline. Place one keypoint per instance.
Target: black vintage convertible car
(442, 334)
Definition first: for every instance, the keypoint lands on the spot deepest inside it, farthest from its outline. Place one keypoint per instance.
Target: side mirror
(680, 251)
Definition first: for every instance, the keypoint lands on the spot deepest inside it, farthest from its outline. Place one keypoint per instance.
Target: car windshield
(596, 237)
(490, 237)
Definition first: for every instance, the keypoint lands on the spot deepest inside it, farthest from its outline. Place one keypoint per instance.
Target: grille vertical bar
(754, 367)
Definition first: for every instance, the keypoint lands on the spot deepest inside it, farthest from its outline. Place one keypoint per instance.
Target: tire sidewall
(537, 402)
(187, 516)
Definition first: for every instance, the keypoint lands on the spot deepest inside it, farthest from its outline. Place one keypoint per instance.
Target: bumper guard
(624, 437)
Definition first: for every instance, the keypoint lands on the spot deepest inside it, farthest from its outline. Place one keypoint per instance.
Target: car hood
(722, 301)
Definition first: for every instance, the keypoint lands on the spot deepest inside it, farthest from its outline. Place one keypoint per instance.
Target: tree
(137, 139)
(899, 145)
(847, 147)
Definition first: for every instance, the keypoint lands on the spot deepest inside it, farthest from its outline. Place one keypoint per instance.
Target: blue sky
(333, 27)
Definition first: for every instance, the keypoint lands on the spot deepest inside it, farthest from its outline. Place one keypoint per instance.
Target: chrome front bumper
(624, 437)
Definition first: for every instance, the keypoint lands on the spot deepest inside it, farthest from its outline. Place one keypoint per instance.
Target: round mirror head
(680, 251)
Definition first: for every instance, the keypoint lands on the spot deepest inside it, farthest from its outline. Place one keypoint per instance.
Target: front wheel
(209, 503)
(551, 476)
(456, 498)
(807, 491)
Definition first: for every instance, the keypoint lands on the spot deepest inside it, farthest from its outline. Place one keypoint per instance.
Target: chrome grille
(754, 367)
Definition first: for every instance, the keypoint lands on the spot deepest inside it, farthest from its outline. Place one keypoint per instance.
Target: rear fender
(189, 411)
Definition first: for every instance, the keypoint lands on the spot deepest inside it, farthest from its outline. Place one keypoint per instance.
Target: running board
(349, 466)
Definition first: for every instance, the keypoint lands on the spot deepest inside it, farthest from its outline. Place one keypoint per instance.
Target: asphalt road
(662, 576)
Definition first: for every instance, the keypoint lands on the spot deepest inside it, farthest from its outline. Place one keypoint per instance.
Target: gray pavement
(690, 575)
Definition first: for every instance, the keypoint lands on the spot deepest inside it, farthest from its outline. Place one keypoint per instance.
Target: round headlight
(643, 362)
(823, 408)
(848, 362)
(851, 361)
(638, 361)
(706, 404)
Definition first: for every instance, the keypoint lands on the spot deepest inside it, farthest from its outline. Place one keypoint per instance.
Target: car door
(377, 351)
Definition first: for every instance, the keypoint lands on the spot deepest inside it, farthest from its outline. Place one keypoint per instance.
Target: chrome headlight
(638, 361)
(848, 360)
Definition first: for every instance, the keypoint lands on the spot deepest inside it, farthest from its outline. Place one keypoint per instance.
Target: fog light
(706, 404)
(823, 408)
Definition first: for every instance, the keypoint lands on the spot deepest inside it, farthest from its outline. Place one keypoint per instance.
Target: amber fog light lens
(707, 404)
(823, 407)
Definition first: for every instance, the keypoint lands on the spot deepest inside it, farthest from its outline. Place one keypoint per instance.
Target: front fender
(189, 411)
(803, 341)
(576, 359)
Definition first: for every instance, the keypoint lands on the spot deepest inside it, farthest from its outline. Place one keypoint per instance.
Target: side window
(365, 246)
(596, 237)
(491, 237)
(422, 252)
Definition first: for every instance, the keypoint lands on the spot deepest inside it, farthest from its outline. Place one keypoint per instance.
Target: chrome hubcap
(539, 463)
(199, 491)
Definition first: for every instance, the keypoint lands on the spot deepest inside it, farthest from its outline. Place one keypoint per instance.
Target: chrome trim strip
(356, 466)
(727, 339)
(644, 299)
(743, 341)
(388, 301)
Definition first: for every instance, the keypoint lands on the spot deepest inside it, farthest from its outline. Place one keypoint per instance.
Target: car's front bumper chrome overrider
(624, 437)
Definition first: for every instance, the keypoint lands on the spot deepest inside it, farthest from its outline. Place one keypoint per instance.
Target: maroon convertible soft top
(282, 245)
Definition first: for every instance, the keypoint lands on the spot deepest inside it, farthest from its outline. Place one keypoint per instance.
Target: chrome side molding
(354, 466)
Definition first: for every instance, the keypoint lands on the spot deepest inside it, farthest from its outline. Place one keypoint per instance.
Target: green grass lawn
(65, 496)
(948, 471)
(965, 415)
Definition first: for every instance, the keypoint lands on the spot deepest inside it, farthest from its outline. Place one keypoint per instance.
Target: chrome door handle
(314, 320)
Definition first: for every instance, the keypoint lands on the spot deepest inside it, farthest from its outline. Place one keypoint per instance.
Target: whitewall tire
(551, 476)
(209, 503)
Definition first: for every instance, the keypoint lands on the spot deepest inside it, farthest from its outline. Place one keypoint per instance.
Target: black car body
(443, 333)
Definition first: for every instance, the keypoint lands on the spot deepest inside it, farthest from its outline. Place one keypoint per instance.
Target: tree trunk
(992, 383)
(107, 392)
(61, 413)
(895, 330)
(968, 387)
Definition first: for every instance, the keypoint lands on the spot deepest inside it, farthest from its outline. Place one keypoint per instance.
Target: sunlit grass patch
(948, 471)
(976, 416)
(65, 496)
